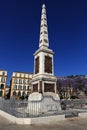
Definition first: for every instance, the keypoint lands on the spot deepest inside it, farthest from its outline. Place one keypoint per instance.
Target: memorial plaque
(37, 65)
(35, 87)
(48, 87)
(48, 64)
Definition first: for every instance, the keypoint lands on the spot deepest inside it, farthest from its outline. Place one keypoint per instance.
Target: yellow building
(20, 84)
(3, 78)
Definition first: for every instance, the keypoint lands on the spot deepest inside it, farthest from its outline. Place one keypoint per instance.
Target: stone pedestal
(48, 102)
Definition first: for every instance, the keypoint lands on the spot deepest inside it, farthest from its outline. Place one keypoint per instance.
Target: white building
(20, 84)
(3, 78)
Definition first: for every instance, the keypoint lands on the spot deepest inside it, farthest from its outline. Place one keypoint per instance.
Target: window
(14, 93)
(28, 82)
(19, 93)
(15, 87)
(24, 87)
(20, 87)
(15, 81)
(27, 93)
(3, 80)
(24, 81)
(20, 81)
(3, 73)
(23, 94)
(2, 86)
(15, 74)
(28, 88)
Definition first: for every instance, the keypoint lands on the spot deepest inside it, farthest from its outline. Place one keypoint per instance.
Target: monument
(44, 96)
(44, 79)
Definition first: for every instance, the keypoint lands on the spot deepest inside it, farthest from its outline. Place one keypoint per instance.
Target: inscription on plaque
(48, 64)
(35, 87)
(48, 87)
(37, 65)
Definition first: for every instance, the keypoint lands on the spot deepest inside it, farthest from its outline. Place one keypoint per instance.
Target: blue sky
(20, 28)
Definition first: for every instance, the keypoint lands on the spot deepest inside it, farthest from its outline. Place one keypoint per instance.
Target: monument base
(48, 102)
(44, 83)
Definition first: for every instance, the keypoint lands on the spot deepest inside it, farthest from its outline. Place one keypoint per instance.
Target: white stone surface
(41, 56)
(36, 106)
(54, 95)
(35, 96)
(49, 101)
(39, 120)
(18, 74)
(83, 115)
(43, 29)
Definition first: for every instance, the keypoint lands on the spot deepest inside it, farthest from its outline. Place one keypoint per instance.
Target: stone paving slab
(70, 124)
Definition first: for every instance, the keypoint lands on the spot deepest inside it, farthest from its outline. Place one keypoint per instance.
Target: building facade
(44, 79)
(20, 84)
(3, 78)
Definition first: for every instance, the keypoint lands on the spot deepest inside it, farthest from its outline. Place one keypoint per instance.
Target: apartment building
(3, 78)
(20, 84)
